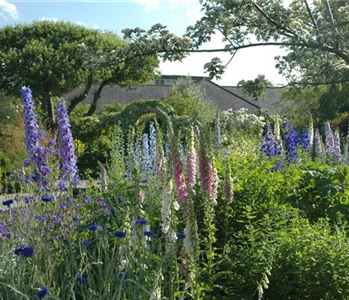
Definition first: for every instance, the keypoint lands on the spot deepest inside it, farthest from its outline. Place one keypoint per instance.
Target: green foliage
(49, 56)
(289, 258)
(95, 141)
(313, 33)
(134, 111)
(323, 102)
(187, 100)
(53, 58)
(12, 148)
(255, 88)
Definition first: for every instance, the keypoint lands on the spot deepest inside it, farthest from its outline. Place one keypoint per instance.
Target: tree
(255, 88)
(187, 100)
(315, 33)
(324, 102)
(54, 58)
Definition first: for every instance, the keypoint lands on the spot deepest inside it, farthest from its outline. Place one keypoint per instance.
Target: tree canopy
(53, 58)
(315, 34)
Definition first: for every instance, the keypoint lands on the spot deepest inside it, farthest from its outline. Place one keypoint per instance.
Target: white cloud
(95, 26)
(81, 23)
(52, 19)
(193, 11)
(247, 63)
(9, 9)
(148, 4)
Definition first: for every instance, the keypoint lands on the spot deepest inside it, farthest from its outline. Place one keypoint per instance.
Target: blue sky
(115, 15)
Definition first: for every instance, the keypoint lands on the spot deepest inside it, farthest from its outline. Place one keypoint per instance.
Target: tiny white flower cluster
(242, 117)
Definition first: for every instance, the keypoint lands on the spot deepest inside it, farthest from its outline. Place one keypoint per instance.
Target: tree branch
(311, 16)
(96, 96)
(277, 25)
(305, 84)
(79, 98)
(333, 26)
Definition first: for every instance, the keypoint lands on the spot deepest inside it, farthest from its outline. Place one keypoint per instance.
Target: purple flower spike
(69, 159)
(31, 125)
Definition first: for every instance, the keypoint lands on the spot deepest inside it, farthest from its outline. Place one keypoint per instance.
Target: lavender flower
(69, 168)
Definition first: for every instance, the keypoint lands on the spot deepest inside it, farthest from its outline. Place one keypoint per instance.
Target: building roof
(223, 97)
(271, 101)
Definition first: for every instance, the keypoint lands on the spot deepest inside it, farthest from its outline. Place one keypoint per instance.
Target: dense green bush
(289, 258)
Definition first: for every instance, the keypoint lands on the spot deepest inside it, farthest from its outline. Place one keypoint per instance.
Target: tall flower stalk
(318, 147)
(217, 133)
(153, 146)
(228, 186)
(291, 143)
(191, 160)
(37, 153)
(329, 139)
(337, 148)
(30, 126)
(69, 159)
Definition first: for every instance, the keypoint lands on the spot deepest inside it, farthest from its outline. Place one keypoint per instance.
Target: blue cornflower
(81, 279)
(42, 293)
(7, 202)
(18, 251)
(149, 233)
(27, 251)
(141, 222)
(123, 276)
(93, 227)
(125, 203)
(120, 198)
(47, 198)
(120, 234)
(181, 235)
(85, 243)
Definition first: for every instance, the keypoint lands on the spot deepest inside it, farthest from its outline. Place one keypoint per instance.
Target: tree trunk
(96, 96)
(79, 98)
